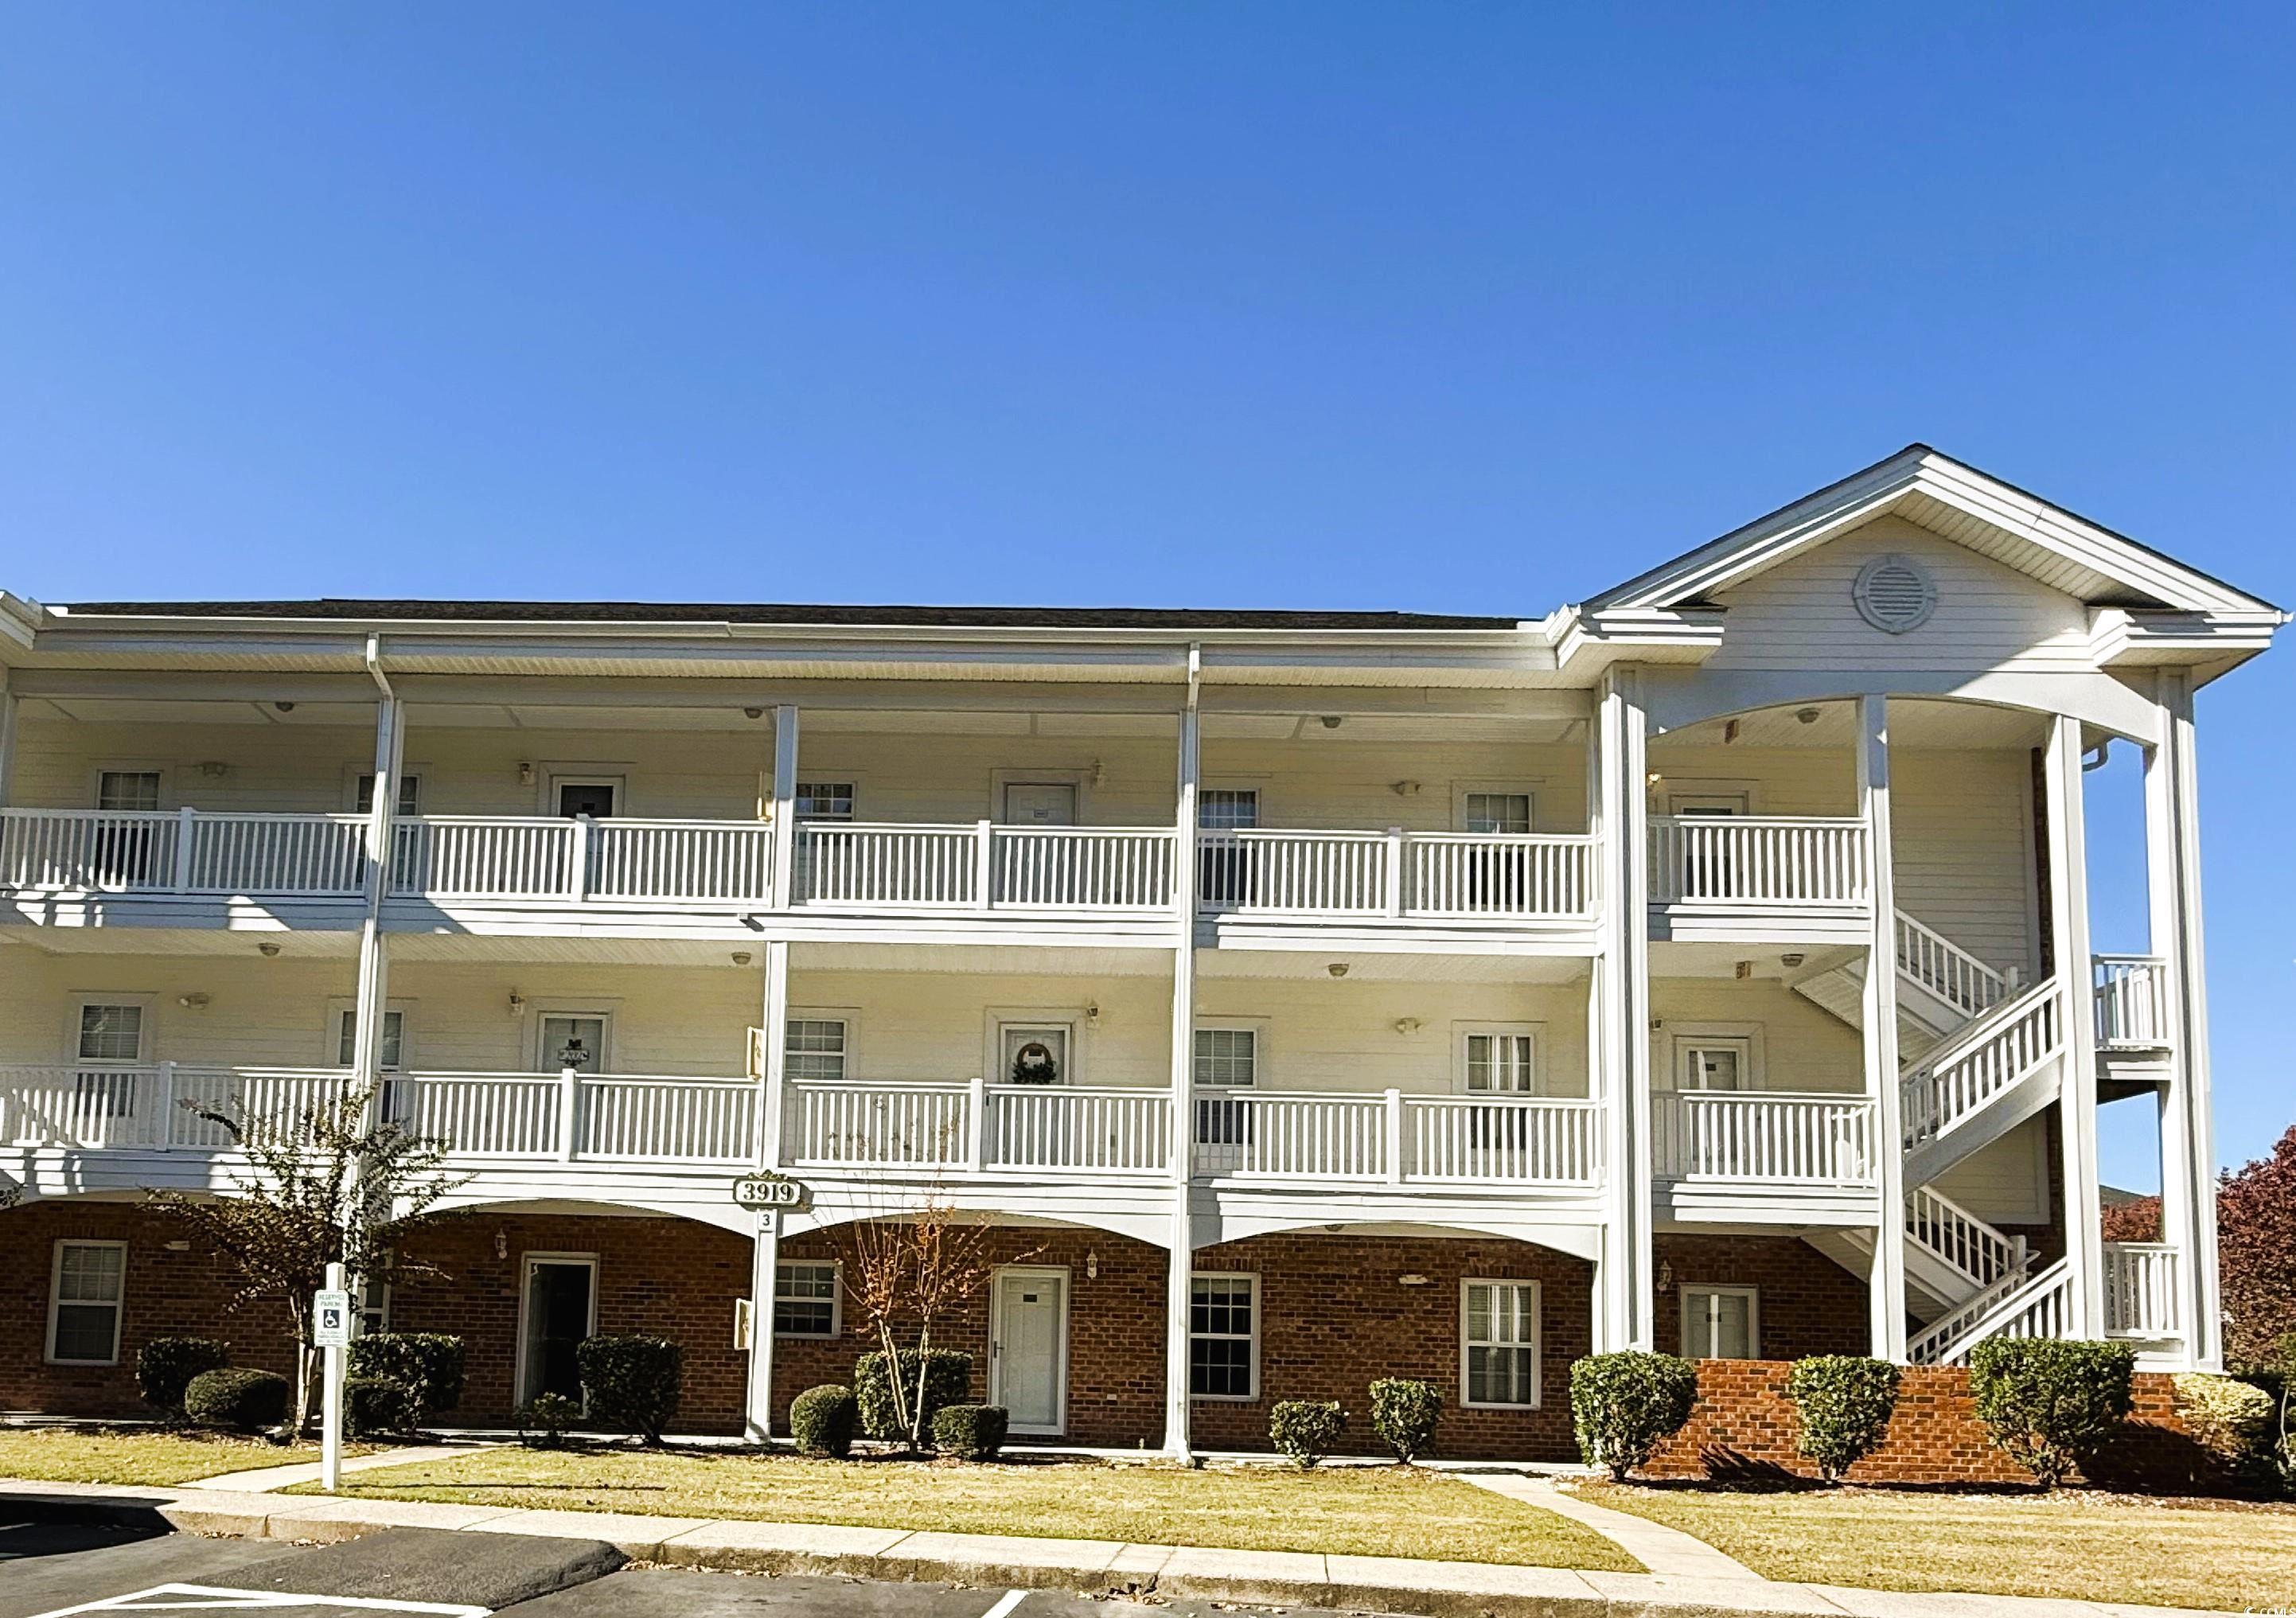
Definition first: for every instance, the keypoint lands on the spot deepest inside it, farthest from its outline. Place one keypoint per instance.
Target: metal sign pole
(331, 1319)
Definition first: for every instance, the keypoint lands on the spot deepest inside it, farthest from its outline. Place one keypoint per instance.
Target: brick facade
(1806, 1302)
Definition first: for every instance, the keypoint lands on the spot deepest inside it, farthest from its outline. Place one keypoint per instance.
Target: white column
(765, 1255)
(1626, 1315)
(1879, 1012)
(374, 962)
(2070, 952)
(1181, 1246)
(2188, 1204)
(785, 804)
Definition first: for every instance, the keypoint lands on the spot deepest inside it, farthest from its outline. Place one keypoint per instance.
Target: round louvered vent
(1894, 593)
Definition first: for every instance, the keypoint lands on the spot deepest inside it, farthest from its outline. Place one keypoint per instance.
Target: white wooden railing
(678, 861)
(1960, 1238)
(552, 860)
(156, 1105)
(1431, 875)
(2132, 1002)
(1765, 1136)
(842, 1124)
(1949, 972)
(2017, 1306)
(1397, 1139)
(1759, 861)
(1097, 1130)
(1991, 1055)
(183, 851)
(2141, 1295)
(1502, 1140)
(984, 866)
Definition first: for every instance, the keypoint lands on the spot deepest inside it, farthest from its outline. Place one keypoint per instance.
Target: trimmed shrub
(1404, 1413)
(243, 1400)
(380, 1404)
(1624, 1405)
(545, 1422)
(948, 1380)
(632, 1383)
(431, 1363)
(1306, 1430)
(1844, 1401)
(2236, 1422)
(2049, 1403)
(165, 1367)
(971, 1433)
(821, 1421)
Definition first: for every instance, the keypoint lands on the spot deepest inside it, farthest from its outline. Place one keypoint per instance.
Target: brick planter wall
(1744, 1427)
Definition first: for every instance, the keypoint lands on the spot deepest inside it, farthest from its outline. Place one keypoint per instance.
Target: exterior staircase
(1978, 1056)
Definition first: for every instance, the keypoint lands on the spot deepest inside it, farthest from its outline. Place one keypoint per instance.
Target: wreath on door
(1035, 1064)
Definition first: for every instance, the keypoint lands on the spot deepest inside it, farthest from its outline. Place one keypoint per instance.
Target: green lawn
(1384, 1511)
(134, 1456)
(2123, 1547)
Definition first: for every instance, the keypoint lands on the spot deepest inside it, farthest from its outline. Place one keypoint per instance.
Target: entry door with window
(596, 799)
(1716, 1064)
(1040, 803)
(1226, 1060)
(1498, 875)
(575, 1041)
(1500, 1062)
(129, 853)
(1224, 866)
(111, 1045)
(819, 803)
(1707, 871)
(559, 1310)
(1028, 1351)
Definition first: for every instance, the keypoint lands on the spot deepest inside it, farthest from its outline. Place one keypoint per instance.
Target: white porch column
(2070, 947)
(765, 1255)
(2172, 863)
(1888, 1279)
(1181, 1248)
(1626, 1314)
(765, 1260)
(374, 959)
(785, 805)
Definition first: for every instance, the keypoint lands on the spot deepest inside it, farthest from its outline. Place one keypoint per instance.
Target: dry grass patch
(2075, 1544)
(1386, 1511)
(135, 1456)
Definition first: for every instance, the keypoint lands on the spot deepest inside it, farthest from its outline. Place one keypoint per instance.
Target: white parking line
(1005, 1603)
(216, 1599)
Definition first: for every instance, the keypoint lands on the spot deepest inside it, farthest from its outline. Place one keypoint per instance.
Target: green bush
(821, 1421)
(971, 1433)
(1404, 1413)
(165, 1367)
(2237, 1422)
(631, 1382)
(544, 1421)
(1844, 1401)
(948, 1380)
(431, 1363)
(373, 1405)
(1624, 1405)
(1306, 1430)
(2049, 1403)
(244, 1401)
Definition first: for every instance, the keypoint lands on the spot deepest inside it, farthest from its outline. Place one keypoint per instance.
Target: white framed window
(135, 790)
(410, 795)
(816, 1047)
(1499, 1058)
(1224, 1336)
(1721, 1323)
(1496, 809)
(1227, 1056)
(85, 1292)
(825, 800)
(1498, 1345)
(579, 1040)
(1041, 1045)
(807, 1299)
(114, 1030)
(345, 1044)
(375, 1301)
(1227, 808)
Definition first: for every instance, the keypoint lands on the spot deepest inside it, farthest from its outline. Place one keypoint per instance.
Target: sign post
(330, 1333)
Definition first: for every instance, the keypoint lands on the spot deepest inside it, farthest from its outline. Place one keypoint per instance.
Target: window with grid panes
(1497, 812)
(91, 1280)
(805, 1300)
(814, 1047)
(1501, 1336)
(1223, 1324)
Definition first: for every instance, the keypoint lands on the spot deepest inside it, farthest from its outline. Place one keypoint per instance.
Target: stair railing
(1949, 972)
(1992, 1056)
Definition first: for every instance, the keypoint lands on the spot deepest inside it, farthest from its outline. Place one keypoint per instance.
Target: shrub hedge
(1405, 1414)
(373, 1405)
(544, 1421)
(1624, 1405)
(1306, 1430)
(244, 1401)
(165, 1367)
(632, 1383)
(971, 1433)
(1844, 1401)
(2049, 1403)
(821, 1421)
(428, 1363)
(948, 1380)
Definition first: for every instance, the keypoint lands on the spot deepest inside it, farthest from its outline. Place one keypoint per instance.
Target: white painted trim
(99, 767)
(1520, 786)
(849, 1015)
(836, 1301)
(1683, 1037)
(1537, 1344)
(1261, 1048)
(1006, 1275)
(1078, 781)
(1258, 1326)
(996, 1019)
(147, 1027)
(343, 1012)
(55, 1288)
(1753, 1296)
(1464, 1030)
(526, 1263)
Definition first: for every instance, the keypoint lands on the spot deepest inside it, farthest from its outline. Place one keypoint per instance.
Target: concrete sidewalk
(1435, 1590)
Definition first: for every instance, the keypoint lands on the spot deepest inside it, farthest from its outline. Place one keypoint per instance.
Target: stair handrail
(2010, 1306)
(1948, 971)
(1973, 1247)
(1925, 1117)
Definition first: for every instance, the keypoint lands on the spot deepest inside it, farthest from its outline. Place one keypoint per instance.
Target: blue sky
(1468, 307)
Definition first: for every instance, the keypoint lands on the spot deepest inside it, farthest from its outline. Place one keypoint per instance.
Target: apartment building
(1304, 996)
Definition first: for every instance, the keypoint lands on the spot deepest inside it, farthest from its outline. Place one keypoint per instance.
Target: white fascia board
(2210, 643)
(1591, 640)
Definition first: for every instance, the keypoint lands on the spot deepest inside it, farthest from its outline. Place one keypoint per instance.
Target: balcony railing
(1765, 1138)
(1759, 861)
(127, 851)
(2140, 1291)
(1407, 875)
(2132, 1002)
(984, 866)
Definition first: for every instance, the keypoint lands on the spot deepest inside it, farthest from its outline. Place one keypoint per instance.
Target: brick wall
(1808, 1304)
(1744, 1427)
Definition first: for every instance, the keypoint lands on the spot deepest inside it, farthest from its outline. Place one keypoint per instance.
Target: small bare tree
(331, 1185)
(907, 1272)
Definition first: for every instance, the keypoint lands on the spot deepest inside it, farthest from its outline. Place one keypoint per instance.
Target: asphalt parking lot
(54, 1568)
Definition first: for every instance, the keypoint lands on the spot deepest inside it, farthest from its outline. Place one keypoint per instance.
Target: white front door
(1028, 1349)
(1040, 803)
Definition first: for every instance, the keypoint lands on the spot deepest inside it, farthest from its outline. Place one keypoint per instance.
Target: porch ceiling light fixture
(1792, 958)
(268, 950)
(1806, 716)
(753, 713)
(1337, 969)
(1331, 721)
(284, 707)
(741, 957)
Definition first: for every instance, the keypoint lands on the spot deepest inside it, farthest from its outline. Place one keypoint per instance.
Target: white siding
(1803, 1048)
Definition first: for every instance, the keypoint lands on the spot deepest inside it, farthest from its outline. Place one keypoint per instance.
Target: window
(814, 1047)
(1223, 1336)
(1499, 1327)
(825, 800)
(84, 1298)
(1227, 808)
(1224, 868)
(127, 790)
(1720, 1322)
(394, 1038)
(1499, 1062)
(1496, 812)
(375, 1301)
(410, 795)
(1226, 1059)
(806, 1300)
(111, 1031)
